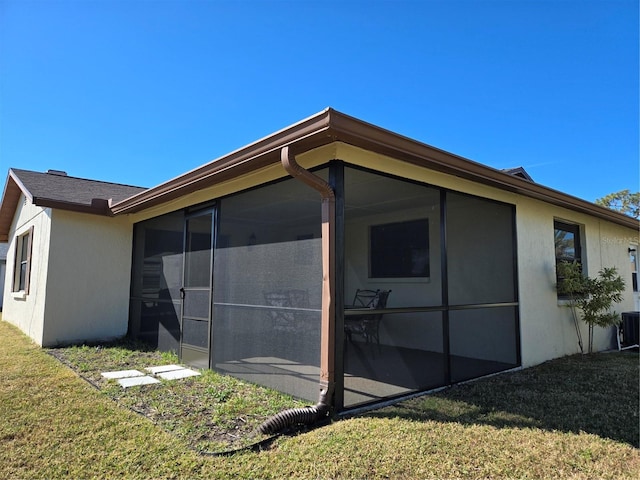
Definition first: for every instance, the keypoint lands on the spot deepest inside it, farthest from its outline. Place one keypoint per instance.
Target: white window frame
(22, 262)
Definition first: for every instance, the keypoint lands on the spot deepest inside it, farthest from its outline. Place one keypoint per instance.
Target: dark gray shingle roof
(73, 190)
(518, 172)
(57, 190)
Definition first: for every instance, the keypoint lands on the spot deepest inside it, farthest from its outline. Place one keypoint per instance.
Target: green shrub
(595, 297)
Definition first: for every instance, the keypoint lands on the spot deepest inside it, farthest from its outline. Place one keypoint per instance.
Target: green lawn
(572, 418)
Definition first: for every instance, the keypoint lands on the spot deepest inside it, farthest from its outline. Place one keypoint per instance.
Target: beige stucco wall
(546, 326)
(88, 278)
(80, 274)
(27, 311)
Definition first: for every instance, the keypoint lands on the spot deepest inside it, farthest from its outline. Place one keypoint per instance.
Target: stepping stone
(122, 374)
(164, 368)
(135, 381)
(177, 374)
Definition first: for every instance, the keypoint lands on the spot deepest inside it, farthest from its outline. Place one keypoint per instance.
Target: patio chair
(367, 325)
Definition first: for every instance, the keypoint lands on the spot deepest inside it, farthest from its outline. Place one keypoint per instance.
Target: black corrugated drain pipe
(314, 414)
(296, 416)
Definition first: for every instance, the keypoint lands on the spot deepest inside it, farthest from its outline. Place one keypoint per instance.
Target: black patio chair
(367, 325)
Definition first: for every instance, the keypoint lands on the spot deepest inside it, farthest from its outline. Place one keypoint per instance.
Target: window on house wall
(567, 245)
(22, 268)
(399, 249)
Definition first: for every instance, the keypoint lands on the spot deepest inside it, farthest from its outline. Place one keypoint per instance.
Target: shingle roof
(518, 172)
(57, 190)
(80, 191)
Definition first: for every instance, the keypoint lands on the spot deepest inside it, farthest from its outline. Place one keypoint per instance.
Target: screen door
(196, 289)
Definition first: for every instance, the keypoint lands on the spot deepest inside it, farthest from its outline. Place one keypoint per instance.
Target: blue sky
(139, 92)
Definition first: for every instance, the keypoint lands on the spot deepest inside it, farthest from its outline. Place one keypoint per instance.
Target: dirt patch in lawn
(211, 412)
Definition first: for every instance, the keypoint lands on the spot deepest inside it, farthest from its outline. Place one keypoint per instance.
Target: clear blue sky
(139, 92)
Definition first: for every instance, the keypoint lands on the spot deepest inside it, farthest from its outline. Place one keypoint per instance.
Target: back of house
(250, 264)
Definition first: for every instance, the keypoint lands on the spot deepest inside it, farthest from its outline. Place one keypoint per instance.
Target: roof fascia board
(315, 130)
(9, 203)
(329, 126)
(97, 207)
(364, 135)
(20, 185)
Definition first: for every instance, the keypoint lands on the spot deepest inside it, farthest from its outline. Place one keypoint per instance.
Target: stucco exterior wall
(88, 278)
(546, 324)
(27, 311)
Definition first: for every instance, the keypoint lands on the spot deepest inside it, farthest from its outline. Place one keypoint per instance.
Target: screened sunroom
(236, 285)
(333, 260)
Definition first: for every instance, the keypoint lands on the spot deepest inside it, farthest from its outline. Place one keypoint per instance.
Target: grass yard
(575, 417)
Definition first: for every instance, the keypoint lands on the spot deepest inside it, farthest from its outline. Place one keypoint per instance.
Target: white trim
(20, 295)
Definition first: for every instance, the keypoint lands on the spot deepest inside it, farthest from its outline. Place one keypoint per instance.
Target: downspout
(308, 415)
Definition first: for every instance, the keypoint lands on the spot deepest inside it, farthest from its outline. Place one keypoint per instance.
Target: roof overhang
(8, 204)
(11, 196)
(331, 126)
(318, 130)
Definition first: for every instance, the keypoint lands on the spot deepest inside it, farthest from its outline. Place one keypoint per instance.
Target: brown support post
(328, 334)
